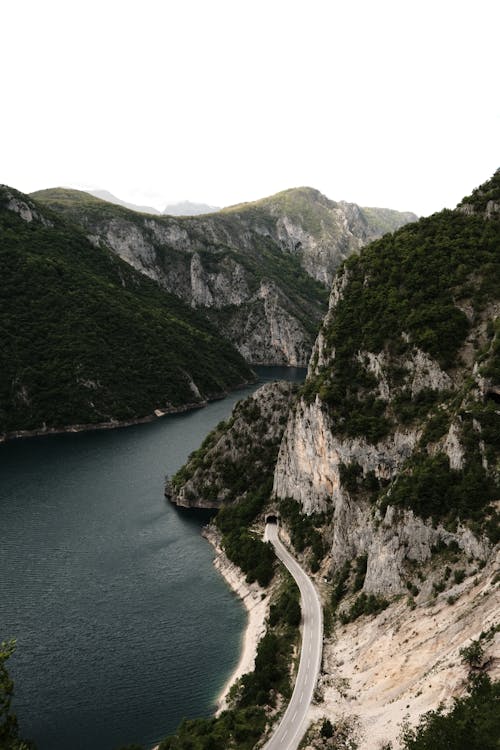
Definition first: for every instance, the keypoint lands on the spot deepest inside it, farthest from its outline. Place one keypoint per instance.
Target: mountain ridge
(258, 271)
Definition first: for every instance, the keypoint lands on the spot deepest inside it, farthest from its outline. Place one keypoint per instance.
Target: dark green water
(123, 626)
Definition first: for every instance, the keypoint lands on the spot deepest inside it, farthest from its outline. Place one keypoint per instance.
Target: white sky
(381, 102)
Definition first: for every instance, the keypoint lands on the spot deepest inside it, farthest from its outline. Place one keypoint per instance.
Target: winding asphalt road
(292, 727)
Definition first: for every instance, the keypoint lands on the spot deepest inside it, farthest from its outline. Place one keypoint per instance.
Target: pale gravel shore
(256, 602)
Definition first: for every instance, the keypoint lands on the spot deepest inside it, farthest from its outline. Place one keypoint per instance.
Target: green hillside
(87, 339)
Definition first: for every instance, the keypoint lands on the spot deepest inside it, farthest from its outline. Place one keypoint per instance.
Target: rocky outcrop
(239, 455)
(89, 341)
(309, 470)
(311, 456)
(21, 205)
(379, 672)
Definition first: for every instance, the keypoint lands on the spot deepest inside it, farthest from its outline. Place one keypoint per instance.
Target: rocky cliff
(396, 432)
(259, 269)
(387, 480)
(239, 455)
(393, 451)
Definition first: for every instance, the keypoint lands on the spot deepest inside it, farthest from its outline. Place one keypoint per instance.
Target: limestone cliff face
(311, 455)
(323, 232)
(251, 267)
(22, 206)
(309, 470)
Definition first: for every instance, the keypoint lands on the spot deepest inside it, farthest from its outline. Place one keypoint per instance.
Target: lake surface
(123, 626)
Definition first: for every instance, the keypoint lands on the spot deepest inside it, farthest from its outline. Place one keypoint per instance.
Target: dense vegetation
(432, 489)
(402, 292)
(365, 604)
(86, 339)
(316, 213)
(238, 457)
(9, 729)
(257, 262)
(240, 453)
(219, 239)
(262, 260)
(305, 531)
(472, 723)
(247, 550)
(233, 469)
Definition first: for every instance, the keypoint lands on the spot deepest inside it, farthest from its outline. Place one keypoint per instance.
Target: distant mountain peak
(105, 195)
(188, 208)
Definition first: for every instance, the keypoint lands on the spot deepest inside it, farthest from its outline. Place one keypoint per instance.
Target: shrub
(472, 723)
(365, 604)
(326, 729)
(472, 655)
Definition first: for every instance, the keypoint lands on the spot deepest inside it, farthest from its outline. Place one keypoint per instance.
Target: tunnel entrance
(272, 518)
(493, 393)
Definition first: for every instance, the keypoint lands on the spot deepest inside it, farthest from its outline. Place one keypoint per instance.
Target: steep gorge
(87, 340)
(388, 473)
(259, 270)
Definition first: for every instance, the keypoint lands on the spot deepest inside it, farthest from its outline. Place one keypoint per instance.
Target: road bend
(292, 727)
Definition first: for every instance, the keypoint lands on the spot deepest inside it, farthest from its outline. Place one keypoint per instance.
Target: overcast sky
(380, 102)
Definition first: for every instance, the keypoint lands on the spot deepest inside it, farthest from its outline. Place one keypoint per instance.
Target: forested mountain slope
(401, 397)
(259, 269)
(86, 338)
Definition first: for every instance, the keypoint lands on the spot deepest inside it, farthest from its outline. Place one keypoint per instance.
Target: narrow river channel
(123, 627)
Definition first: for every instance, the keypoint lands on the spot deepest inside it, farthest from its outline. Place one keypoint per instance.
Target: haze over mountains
(105, 195)
(188, 208)
(179, 208)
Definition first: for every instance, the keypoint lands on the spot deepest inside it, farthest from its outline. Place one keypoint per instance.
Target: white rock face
(126, 239)
(25, 209)
(217, 289)
(317, 256)
(170, 233)
(453, 448)
(426, 373)
(313, 453)
(259, 322)
(308, 470)
(201, 294)
(203, 260)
